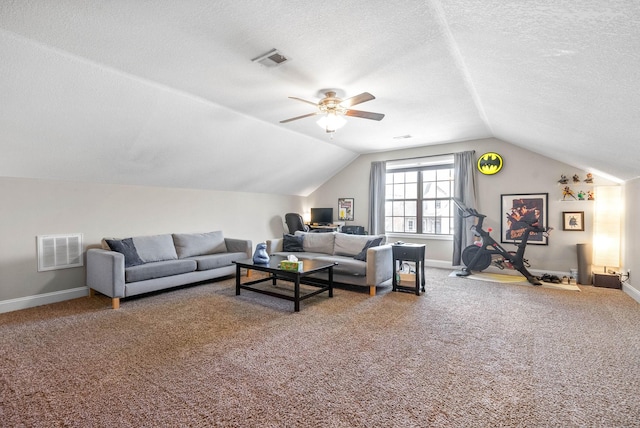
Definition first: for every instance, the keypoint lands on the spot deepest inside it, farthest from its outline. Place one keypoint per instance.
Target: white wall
(631, 236)
(523, 172)
(32, 207)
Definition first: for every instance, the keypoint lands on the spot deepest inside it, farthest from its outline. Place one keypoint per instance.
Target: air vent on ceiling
(59, 251)
(273, 58)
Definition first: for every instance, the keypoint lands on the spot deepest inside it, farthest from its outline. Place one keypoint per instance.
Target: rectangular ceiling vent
(59, 251)
(273, 58)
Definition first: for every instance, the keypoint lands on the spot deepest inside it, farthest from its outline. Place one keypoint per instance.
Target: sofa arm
(379, 265)
(274, 245)
(105, 272)
(239, 246)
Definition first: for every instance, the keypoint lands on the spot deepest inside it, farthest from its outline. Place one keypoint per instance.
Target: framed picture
(573, 220)
(345, 209)
(518, 210)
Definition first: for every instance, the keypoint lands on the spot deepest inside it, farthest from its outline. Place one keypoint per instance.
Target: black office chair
(353, 230)
(294, 222)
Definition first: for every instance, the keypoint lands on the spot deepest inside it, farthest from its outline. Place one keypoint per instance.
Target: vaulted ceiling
(164, 93)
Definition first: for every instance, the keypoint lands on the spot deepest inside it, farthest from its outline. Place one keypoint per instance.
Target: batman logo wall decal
(490, 163)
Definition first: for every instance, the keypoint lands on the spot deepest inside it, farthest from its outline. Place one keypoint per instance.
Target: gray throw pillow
(128, 249)
(362, 255)
(292, 243)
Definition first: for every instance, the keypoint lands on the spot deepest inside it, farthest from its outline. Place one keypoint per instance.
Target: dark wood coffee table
(297, 278)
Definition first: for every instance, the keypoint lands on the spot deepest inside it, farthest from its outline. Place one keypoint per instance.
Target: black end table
(410, 253)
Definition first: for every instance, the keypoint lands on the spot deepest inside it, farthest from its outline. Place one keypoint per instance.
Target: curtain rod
(429, 156)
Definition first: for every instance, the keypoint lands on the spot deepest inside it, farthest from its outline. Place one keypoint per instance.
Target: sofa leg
(372, 290)
(248, 273)
(115, 303)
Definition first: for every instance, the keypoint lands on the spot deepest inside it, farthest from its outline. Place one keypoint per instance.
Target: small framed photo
(573, 220)
(345, 209)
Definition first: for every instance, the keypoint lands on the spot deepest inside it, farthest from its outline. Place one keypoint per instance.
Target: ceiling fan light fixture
(331, 122)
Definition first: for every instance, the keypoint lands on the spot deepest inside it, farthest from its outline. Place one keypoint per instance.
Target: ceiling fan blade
(304, 101)
(299, 117)
(365, 96)
(364, 114)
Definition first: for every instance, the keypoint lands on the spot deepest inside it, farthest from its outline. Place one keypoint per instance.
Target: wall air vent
(59, 251)
(273, 58)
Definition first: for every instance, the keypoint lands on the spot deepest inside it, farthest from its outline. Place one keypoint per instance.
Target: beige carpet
(515, 279)
(465, 354)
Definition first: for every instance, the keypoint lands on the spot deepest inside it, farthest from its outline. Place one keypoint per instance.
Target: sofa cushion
(362, 255)
(155, 248)
(346, 265)
(127, 248)
(158, 270)
(350, 245)
(198, 244)
(292, 243)
(214, 261)
(317, 242)
(301, 256)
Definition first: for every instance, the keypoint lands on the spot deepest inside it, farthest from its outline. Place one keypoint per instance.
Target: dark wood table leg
(331, 281)
(296, 304)
(394, 281)
(237, 280)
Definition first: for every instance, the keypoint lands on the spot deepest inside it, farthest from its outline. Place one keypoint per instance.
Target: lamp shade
(607, 221)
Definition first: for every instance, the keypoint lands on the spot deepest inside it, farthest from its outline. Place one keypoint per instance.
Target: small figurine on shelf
(568, 192)
(563, 179)
(576, 179)
(590, 195)
(581, 195)
(589, 178)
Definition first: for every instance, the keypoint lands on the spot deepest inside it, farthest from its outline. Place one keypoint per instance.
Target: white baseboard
(631, 291)
(438, 264)
(42, 299)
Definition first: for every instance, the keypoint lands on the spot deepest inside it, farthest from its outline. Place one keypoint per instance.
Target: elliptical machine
(480, 255)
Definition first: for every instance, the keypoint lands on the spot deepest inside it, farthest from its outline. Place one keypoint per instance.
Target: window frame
(420, 198)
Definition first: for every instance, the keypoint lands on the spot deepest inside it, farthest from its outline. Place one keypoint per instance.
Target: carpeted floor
(467, 354)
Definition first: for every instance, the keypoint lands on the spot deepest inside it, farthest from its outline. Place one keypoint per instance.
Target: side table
(410, 253)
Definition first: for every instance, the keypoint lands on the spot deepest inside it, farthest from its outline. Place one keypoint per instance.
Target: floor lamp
(607, 221)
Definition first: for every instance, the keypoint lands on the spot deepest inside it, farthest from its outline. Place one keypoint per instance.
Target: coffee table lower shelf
(297, 278)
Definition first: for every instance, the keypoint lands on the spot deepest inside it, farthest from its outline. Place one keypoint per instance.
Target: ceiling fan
(333, 108)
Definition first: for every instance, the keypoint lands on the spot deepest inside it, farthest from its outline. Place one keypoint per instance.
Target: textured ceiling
(164, 93)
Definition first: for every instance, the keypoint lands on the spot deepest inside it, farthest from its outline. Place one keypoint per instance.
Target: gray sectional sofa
(358, 264)
(142, 264)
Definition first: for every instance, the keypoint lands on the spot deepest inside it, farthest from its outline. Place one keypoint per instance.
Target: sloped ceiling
(164, 93)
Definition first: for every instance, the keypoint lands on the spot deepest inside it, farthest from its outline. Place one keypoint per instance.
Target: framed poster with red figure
(520, 210)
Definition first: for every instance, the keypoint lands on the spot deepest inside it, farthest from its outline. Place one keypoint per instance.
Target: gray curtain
(465, 190)
(377, 179)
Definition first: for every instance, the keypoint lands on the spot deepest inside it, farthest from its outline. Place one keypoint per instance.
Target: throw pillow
(128, 249)
(362, 255)
(292, 243)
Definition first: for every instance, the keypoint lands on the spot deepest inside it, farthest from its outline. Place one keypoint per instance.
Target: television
(322, 216)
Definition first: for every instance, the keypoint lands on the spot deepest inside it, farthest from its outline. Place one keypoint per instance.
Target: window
(418, 199)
